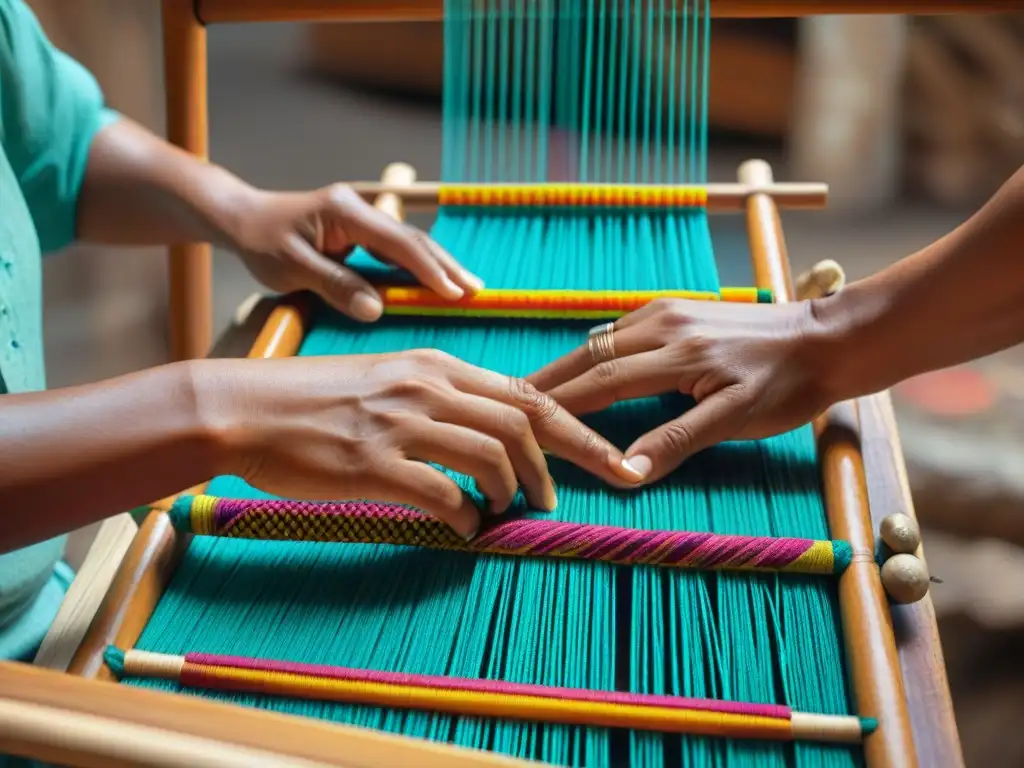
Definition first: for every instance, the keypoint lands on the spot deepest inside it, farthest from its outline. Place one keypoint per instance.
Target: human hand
(754, 370)
(362, 426)
(294, 241)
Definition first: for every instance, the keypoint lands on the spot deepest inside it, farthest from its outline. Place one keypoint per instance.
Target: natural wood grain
(284, 735)
(722, 197)
(929, 703)
(867, 626)
(137, 588)
(190, 266)
(231, 11)
(87, 592)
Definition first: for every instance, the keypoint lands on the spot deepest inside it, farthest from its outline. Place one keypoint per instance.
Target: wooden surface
(140, 581)
(929, 703)
(186, 717)
(221, 11)
(84, 597)
(191, 265)
(867, 626)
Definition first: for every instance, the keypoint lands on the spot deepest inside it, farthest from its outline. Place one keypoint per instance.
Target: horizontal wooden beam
(232, 11)
(423, 195)
(96, 724)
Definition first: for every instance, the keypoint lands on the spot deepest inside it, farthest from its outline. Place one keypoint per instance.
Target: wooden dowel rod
(80, 740)
(423, 195)
(845, 729)
(232, 11)
(289, 736)
(867, 623)
(190, 266)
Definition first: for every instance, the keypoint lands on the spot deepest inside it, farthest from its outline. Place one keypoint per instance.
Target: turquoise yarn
(575, 87)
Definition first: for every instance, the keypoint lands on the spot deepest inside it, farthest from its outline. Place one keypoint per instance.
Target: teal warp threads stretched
(570, 65)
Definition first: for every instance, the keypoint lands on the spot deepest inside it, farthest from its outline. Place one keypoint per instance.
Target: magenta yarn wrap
(372, 523)
(481, 686)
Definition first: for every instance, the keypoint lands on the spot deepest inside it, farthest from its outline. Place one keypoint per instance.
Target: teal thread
(114, 659)
(842, 554)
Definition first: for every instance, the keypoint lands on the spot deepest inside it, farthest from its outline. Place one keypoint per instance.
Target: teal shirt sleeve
(52, 108)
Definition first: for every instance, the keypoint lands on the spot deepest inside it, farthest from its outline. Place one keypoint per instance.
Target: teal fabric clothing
(50, 110)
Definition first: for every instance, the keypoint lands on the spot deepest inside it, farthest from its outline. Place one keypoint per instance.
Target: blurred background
(913, 122)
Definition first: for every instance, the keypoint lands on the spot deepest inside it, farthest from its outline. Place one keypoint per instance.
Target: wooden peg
(905, 578)
(900, 534)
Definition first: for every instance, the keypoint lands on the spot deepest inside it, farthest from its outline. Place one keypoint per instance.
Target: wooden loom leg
(867, 622)
(190, 266)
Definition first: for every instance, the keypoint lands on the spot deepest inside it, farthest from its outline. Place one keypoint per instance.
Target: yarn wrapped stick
(549, 304)
(360, 522)
(489, 698)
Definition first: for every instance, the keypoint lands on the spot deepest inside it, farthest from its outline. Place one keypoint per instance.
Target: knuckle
(514, 423)
(447, 496)
(592, 444)
(537, 404)
(431, 358)
(607, 372)
(415, 389)
(490, 451)
(678, 437)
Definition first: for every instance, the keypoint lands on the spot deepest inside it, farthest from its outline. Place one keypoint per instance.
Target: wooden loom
(894, 651)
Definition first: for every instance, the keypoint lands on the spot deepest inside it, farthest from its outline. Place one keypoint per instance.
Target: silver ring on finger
(601, 343)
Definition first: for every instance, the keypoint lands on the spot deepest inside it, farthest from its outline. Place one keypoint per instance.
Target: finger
(712, 421)
(379, 233)
(512, 428)
(458, 273)
(554, 428)
(627, 341)
(430, 490)
(478, 455)
(626, 378)
(336, 284)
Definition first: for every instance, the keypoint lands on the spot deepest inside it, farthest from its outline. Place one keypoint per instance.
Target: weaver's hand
(362, 426)
(753, 370)
(299, 241)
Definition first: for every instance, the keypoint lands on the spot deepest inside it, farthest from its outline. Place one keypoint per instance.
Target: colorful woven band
(573, 195)
(550, 304)
(493, 698)
(371, 523)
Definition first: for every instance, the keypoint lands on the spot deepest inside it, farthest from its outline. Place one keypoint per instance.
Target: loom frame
(896, 664)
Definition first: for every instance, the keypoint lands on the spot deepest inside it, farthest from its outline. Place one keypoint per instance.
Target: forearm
(140, 190)
(959, 299)
(74, 456)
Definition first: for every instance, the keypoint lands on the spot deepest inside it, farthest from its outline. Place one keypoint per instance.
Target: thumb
(712, 421)
(335, 283)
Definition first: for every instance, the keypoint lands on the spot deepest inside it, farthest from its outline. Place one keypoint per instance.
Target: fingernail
(473, 280)
(551, 500)
(631, 472)
(454, 291)
(472, 534)
(366, 307)
(639, 464)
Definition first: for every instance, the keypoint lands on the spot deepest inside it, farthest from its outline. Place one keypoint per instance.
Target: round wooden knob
(905, 578)
(900, 534)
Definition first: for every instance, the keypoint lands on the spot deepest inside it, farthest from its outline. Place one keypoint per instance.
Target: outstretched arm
(361, 426)
(959, 299)
(758, 370)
